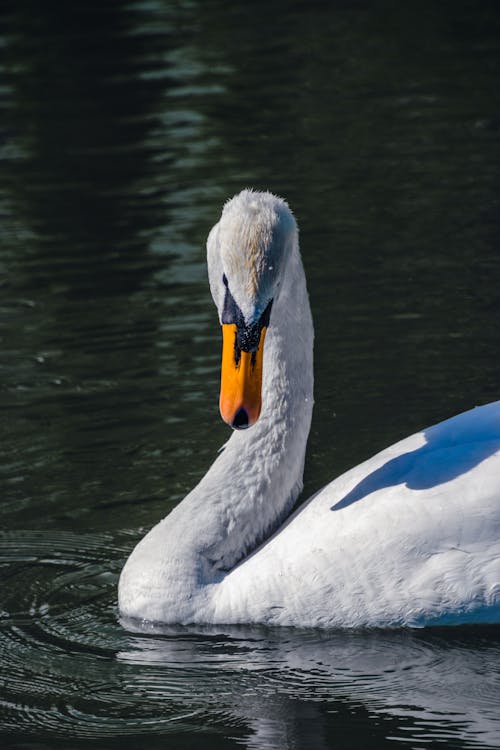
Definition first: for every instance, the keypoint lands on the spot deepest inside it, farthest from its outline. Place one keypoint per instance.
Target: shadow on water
(83, 175)
(95, 131)
(451, 449)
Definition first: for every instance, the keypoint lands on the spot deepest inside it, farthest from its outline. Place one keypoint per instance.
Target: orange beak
(241, 380)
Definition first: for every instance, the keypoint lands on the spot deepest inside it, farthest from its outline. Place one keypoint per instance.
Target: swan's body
(410, 537)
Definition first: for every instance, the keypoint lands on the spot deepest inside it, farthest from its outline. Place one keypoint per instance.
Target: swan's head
(247, 253)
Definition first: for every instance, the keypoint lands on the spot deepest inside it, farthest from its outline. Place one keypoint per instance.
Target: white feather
(409, 537)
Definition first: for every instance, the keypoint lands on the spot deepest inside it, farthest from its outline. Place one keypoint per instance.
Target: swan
(410, 537)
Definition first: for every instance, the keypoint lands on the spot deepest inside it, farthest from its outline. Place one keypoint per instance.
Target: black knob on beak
(240, 421)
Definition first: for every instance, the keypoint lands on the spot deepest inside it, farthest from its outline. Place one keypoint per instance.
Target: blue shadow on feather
(440, 460)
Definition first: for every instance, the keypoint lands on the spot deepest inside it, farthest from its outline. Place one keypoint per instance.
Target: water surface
(124, 127)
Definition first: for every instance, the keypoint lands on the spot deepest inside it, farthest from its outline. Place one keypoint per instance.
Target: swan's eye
(231, 313)
(266, 315)
(224, 279)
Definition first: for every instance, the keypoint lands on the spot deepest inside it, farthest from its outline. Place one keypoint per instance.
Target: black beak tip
(240, 421)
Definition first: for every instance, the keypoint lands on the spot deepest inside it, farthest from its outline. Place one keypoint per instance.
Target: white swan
(409, 537)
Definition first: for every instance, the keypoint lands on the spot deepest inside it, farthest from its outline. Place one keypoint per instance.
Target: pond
(124, 128)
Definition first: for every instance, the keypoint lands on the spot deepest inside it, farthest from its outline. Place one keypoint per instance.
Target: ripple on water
(72, 670)
(59, 636)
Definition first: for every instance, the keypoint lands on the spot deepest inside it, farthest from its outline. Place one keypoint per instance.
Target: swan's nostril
(240, 421)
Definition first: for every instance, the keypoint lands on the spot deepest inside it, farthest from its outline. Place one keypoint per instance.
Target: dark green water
(123, 129)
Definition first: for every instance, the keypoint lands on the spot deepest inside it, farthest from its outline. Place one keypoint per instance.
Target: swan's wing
(411, 536)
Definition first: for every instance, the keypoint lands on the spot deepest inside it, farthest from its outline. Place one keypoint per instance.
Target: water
(123, 129)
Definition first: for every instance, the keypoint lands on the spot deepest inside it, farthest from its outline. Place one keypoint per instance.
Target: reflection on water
(263, 687)
(396, 676)
(123, 129)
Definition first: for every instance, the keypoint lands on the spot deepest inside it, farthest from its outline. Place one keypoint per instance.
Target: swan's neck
(249, 489)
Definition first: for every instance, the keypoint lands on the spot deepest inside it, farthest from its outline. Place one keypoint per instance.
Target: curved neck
(263, 467)
(256, 480)
(249, 489)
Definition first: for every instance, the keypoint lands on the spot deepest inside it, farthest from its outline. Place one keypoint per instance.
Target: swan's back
(411, 536)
